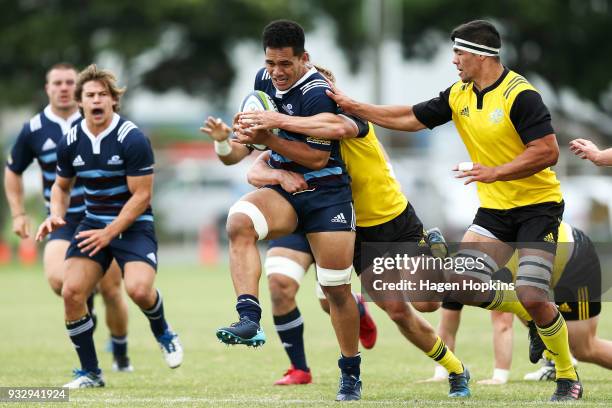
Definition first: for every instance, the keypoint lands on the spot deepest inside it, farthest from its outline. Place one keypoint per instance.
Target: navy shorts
(67, 232)
(137, 243)
(297, 242)
(322, 209)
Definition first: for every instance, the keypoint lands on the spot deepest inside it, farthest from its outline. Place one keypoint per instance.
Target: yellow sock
(507, 301)
(548, 355)
(443, 356)
(555, 338)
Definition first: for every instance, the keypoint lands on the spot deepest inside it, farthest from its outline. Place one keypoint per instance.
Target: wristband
(223, 148)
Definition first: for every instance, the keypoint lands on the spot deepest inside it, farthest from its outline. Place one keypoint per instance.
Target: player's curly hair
(326, 73)
(105, 77)
(284, 33)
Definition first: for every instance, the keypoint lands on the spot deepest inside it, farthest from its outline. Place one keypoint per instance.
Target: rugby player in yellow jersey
(507, 131)
(383, 215)
(577, 285)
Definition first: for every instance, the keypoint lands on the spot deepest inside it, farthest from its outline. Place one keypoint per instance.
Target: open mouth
(280, 82)
(97, 112)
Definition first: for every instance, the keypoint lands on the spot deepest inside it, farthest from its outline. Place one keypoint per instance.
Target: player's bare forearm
(299, 152)
(261, 174)
(239, 152)
(60, 196)
(396, 117)
(13, 187)
(141, 188)
(604, 158)
(539, 155)
(323, 125)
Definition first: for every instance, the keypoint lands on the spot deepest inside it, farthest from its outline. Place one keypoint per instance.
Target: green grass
(35, 351)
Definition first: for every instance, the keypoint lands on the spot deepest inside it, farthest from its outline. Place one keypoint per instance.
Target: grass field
(35, 351)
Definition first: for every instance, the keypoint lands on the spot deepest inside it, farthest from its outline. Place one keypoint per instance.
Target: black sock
(156, 317)
(350, 365)
(81, 334)
(290, 329)
(119, 345)
(248, 305)
(91, 309)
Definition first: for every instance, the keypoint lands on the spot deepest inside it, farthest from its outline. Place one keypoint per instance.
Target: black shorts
(66, 233)
(530, 226)
(406, 227)
(322, 209)
(136, 243)
(578, 291)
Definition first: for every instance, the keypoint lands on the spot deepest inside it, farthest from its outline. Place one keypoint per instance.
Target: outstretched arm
(587, 150)
(228, 151)
(397, 117)
(323, 125)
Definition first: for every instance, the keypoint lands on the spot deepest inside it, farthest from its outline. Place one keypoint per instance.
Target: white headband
(475, 48)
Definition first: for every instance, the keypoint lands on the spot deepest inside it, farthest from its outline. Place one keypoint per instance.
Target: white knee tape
(319, 291)
(334, 277)
(284, 266)
(250, 210)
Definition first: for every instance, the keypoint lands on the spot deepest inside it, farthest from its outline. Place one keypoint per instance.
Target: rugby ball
(258, 101)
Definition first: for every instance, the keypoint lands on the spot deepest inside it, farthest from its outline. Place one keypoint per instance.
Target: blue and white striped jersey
(306, 98)
(38, 140)
(103, 163)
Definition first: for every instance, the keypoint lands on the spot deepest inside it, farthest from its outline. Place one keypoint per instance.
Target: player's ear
(305, 58)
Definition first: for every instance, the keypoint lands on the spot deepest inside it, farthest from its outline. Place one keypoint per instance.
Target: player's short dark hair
(284, 33)
(104, 76)
(60, 65)
(479, 32)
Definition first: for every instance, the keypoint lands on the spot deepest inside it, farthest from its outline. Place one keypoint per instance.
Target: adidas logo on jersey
(565, 308)
(465, 112)
(115, 160)
(549, 238)
(152, 257)
(78, 161)
(48, 145)
(339, 218)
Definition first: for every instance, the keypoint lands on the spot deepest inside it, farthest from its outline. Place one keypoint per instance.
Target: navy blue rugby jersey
(38, 140)
(306, 98)
(103, 162)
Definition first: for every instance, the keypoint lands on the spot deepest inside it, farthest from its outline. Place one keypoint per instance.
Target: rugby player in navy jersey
(114, 159)
(323, 211)
(37, 141)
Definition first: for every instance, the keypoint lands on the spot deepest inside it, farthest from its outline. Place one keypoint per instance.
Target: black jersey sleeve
(530, 116)
(138, 153)
(362, 126)
(21, 154)
(434, 112)
(64, 159)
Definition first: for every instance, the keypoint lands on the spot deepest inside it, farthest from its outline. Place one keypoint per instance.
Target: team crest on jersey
(496, 116)
(288, 108)
(115, 160)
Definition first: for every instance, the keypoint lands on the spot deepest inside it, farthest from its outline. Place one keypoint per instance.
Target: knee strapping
(475, 264)
(257, 218)
(334, 277)
(284, 266)
(534, 271)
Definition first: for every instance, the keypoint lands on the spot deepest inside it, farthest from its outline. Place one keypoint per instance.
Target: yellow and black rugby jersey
(565, 251)
(377, 194)
(495, 124)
